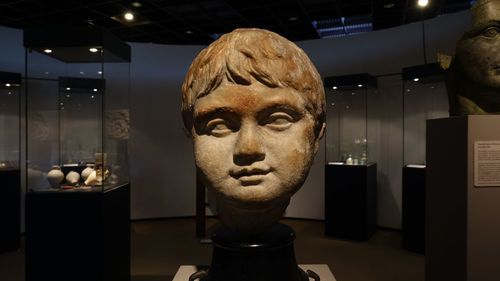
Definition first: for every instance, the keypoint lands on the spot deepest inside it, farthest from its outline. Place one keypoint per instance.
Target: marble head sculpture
(254, 105)
(474, 78)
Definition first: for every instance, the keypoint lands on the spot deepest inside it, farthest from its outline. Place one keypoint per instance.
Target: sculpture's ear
(318, 138)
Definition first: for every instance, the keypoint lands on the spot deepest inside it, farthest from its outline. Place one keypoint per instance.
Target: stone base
(322, 270)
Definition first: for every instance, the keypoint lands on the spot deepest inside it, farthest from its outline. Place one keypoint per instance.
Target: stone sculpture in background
(473, 80)
(254, 106)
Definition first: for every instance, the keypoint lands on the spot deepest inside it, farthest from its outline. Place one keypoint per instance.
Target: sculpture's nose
(248, 147)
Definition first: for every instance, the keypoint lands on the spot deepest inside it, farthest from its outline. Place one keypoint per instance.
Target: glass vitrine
(10, 97)
(10, 177)
(351, 126)
(425, 97)
(77, 111)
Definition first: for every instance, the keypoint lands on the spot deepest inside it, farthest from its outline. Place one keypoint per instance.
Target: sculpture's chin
(248, 220)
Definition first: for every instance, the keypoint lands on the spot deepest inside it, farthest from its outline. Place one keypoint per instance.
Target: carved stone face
(478, 53)
(253, 145)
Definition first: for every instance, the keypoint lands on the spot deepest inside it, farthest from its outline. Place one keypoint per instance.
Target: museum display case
(10, 177)
(424, 98)
(351, 128)
(350, 170)
(77, 131)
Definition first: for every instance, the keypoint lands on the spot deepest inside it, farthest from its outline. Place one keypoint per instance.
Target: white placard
(486, 163)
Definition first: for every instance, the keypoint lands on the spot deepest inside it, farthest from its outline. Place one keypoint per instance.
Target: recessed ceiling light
(136, 4)
(360, 85)
(293, 18)
(47, 51)
(67, 89)
(81, 72)
(189, 32)
(334, 87)
(7, 85)
(416, 79)
(93, 50)
(128, 16)
(95, 90)
(389, 5)
(423, 3)
(99, 72)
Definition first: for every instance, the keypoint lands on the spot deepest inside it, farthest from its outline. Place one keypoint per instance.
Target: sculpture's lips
(250, 176)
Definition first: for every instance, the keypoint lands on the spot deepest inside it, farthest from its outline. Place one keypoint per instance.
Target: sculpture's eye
(279, 121)
(218, 127)
(491, 32)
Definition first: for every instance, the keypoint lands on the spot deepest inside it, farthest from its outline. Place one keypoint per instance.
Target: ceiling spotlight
(99, 72)
(334, 87)
(136, 4)
(92, 96)
(93, 50)
(293, 18)
(416, 79)
(47, 51)
(189, 32)
(7, 85)
(95, 90)
(68, 89)
(81, 72)
(389, 5)
(423, 3)
(129, 16)
(360, 85)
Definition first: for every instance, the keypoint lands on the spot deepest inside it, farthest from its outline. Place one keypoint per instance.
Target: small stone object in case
(349, 160)
(73, 177)
(55, 176)
(86, 172)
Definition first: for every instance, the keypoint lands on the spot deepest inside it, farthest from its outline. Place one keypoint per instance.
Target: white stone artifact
(349, 160)
(86, 172)
(91, 179)
(55, 176)
(72, 177)
(254, 105)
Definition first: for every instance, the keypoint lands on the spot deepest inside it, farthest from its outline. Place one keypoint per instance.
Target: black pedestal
(267, 257)
(413, 228)
(78, 235)
(350, 201)
(10, 209)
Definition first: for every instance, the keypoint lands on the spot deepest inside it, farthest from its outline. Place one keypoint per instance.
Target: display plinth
(413, 224)
(350, 201)
(78, 235)
(463, 229)
(264, 257)
(10, 209)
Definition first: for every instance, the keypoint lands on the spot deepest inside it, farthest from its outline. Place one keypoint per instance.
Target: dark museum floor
(160, 246)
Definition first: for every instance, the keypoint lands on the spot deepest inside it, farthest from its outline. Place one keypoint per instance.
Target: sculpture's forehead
(487, 12)
(248, 99)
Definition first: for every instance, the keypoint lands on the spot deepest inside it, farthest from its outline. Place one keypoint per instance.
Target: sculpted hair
(246, 56)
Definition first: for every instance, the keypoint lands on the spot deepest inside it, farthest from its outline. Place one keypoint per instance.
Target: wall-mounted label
(486, 163)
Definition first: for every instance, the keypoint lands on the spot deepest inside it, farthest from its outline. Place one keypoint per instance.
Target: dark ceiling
(200, 21)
